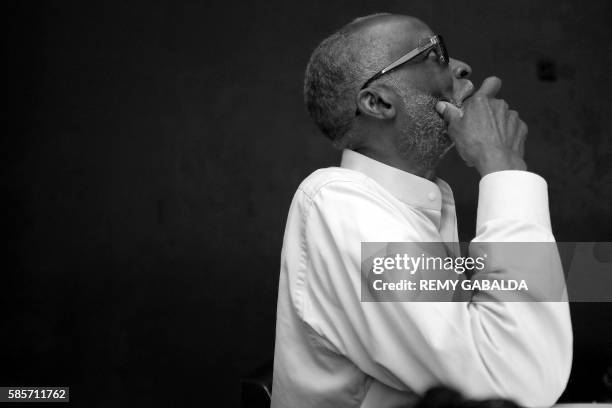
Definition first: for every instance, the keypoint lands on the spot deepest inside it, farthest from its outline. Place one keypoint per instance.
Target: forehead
(398, 34)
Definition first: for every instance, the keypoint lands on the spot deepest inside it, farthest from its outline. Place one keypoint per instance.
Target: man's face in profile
(420, 84)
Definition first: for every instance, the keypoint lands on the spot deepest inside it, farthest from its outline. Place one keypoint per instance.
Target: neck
(394, 160)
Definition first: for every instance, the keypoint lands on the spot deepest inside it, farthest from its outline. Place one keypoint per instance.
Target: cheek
(438, 83)
(424, 81)
(447, 84)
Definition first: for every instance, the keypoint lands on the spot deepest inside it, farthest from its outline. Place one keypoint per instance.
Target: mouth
(452, 101)
(468, 91)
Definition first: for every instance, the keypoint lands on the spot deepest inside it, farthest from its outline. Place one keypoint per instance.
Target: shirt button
(431, 196)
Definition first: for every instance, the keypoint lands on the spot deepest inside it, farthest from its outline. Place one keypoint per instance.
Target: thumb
(449, 111)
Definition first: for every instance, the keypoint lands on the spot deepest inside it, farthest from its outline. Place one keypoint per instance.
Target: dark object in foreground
(607, 382)
(256, 388)
(444, 397)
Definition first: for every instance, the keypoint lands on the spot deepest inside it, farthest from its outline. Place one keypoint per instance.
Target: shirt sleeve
(514, 196)
(515, 350)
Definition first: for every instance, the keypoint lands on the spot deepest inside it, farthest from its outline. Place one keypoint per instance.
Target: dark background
(152, 151)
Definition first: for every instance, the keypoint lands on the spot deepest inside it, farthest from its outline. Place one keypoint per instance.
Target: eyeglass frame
(435, 41)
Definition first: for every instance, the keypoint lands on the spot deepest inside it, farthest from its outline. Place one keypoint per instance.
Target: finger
(503, 106)
(449, 111)
(513, 124)
(524, 130)
(501, 109)
(518, 143)
(490, 87)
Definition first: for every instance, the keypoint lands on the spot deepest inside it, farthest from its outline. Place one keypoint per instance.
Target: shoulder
(347, 206)
(344, 196)
(331, 178)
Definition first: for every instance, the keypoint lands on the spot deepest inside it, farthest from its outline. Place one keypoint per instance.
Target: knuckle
(499, 104)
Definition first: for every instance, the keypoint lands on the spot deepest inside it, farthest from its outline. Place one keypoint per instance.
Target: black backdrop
(153, 148)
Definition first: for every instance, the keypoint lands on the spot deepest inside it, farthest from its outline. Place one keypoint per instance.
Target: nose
(460, 69)
(463, 88)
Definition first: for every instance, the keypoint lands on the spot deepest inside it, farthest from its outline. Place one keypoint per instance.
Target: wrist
(499, 161)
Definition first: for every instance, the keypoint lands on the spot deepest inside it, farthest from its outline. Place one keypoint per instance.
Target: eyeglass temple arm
(408, 56)
(432, 41)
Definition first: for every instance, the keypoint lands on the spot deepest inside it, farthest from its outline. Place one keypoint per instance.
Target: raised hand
(487, 134)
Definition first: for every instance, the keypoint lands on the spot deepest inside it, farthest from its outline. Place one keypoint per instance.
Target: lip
(467, 91)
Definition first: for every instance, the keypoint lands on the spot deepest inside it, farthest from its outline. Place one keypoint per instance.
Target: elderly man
(384, 90)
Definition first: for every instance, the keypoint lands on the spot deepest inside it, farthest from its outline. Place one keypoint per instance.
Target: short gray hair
(335, 72)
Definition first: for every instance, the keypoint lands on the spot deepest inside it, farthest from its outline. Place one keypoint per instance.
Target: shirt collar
(406, 187)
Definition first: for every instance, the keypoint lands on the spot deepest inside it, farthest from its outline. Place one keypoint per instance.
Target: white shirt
(332, 350)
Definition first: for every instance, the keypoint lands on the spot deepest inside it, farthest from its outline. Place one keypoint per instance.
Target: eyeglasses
(435, 42)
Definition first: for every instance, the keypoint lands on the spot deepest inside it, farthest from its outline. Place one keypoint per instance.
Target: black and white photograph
(307, 204)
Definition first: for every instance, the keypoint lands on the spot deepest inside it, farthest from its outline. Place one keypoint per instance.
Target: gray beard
(423, 139)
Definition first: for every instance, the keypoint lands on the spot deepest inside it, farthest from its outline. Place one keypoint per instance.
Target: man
(394, 125)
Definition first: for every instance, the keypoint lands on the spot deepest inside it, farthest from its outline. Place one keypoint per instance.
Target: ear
(377, 102)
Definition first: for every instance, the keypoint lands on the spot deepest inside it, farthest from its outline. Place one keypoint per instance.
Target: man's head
(393, 116)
